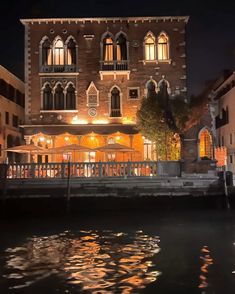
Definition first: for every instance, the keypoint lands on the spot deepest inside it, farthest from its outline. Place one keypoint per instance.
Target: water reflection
(206, 262)
(93, 261)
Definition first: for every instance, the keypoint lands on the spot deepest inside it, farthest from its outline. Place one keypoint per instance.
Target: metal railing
(82, 169)
(59, 68)
(114, 65)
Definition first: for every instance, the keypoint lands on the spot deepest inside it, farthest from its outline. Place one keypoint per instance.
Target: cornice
(105, 19)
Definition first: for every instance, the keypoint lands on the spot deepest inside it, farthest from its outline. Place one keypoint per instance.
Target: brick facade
(87, 34)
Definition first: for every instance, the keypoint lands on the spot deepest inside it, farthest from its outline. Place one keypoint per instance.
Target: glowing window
(163, 47)
(46, 53)
(205, 145)
(71, 52)
(150, 52)
(59, 52)
(148, 150)
(121, 48)
(108, 49)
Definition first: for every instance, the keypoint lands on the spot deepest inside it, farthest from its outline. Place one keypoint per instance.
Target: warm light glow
(77, 121)
(100, 122)
(66, 139)
(118, 137)
(127, 121)
(41, 139)
(92, 138)
(163, 51)
(150, 48)
(48, 141)
(143, 137)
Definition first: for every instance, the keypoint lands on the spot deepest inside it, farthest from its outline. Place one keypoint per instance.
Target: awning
(79, 129)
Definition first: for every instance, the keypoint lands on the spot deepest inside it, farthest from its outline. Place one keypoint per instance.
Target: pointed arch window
(108, 49)
(59, 97)
(47, 98)
(150, 47)
(58, 51)
(121, 48)
(92, 95)
(205, 144)
(163, 47)
(71, 52)
(70, 97)
(115, 103)
(46, 53)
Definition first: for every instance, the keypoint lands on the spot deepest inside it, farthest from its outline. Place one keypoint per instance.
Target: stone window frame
(92, 85)
(121, 98)
(168, 60)
(133, 88)
(42, 110)
(198, 142)
(152, 35)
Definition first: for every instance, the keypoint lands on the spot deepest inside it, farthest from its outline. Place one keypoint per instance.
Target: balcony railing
(82, 169)
(59, 68)
(115, 65)
(115, 113)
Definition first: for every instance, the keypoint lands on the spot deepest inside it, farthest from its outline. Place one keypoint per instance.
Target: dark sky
(210, 31)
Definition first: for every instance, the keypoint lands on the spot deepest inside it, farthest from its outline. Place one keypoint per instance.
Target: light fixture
(66, 139)
(48, 141)
(42, 139)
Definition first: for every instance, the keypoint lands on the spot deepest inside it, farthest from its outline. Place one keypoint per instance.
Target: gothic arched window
(107, 49)
(59, 97)
(205, 144)
(115, 103)
(71, 52)
(46, 53)
(121, 47)
(58, 52)
(70, 97)
(149, 47)
(163, 47)
(47, 98)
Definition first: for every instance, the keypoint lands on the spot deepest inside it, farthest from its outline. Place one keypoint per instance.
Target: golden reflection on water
(206, 262)
(97, 262)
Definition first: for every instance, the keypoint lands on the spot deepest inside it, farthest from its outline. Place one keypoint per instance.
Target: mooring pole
(68, 190)
(226, 191)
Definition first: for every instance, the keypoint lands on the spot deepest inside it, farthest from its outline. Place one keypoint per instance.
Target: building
(11, 113)
(85, 78)
(223, 97)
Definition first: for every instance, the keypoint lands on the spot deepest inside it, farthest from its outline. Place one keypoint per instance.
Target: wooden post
(68, 190)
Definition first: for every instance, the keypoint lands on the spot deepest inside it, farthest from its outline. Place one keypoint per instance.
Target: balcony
(59, 68)
(114, 67)
(115, 113)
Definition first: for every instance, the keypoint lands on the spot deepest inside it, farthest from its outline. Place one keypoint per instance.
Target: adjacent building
(85, 77)
(223, 97)
(11, 113)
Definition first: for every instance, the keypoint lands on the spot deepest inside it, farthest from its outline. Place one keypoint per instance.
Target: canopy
(115, 148)
(67, 148)
(30, 148)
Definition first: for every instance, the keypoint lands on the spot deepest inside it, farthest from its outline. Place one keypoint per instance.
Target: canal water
(148, 252)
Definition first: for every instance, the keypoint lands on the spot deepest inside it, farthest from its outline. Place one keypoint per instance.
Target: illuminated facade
(223, 95)
(11, 113)
(85, 79)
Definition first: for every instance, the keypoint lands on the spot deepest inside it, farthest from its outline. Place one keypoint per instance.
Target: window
(148, 150)
(133, 93)
(92, 95)
(149, 47)
(47, 98)
(121, 47)
(108, 49)
(15, 121)
(115, 103)
(205, 141)
(230, 159)
(46, 53)
(70, 97)
(71, 52)
(231, 139)
(163, 47)
(58, 52)
(59, 97)
(6, 117)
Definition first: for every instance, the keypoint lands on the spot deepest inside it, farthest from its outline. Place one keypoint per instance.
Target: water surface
(148, 252)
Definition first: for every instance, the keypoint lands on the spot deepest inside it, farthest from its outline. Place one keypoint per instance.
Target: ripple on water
(100, 262)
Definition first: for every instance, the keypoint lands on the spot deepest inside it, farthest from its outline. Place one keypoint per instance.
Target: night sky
(210, 31)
